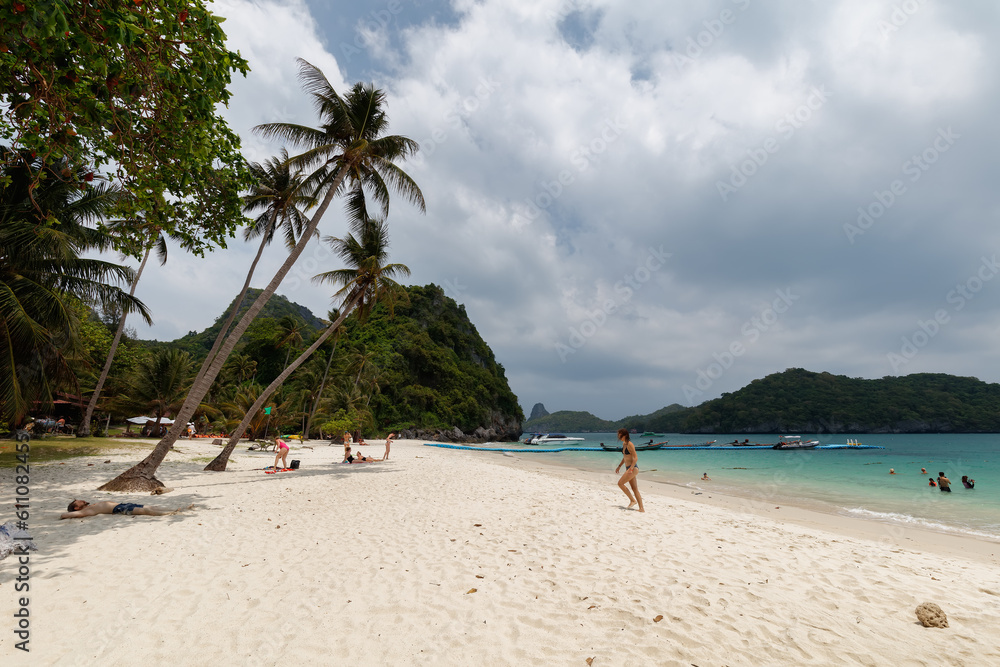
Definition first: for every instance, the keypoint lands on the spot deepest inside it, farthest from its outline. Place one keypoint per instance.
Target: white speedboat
(549, 438)
(794, 442)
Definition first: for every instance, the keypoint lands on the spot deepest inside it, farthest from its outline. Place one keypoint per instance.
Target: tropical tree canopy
(350, 151)
(45, 227)
(109, 83)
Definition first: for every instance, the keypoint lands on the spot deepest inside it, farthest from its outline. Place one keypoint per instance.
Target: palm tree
(289, 335)
(277, 197)
(157, 241)
(349, 148)
(159, 383)
(243, 366)
(367, 280)
(44, 230)
(332, 315)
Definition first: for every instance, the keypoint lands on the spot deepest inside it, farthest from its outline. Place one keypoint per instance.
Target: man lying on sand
(79, 509)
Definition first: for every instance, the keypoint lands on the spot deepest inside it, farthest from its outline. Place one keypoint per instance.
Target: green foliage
(46, 229)
(434, 368)
(159, 383)
(800, 400)
(340, 424)
(278, 307)
(112, 83)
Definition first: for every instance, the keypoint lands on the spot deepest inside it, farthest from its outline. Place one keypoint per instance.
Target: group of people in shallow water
(942, 482)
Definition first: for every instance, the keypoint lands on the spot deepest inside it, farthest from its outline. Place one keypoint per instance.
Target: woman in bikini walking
(630, 459)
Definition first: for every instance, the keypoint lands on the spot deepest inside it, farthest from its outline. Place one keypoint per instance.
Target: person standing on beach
(388, 441)
(630, 459)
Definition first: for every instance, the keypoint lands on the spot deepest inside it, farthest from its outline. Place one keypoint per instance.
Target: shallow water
(853, 482)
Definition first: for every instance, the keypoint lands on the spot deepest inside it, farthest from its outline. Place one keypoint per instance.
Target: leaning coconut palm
(156, 240)
(368, 280)
(44, 230)
(278, 196)
(348, 150)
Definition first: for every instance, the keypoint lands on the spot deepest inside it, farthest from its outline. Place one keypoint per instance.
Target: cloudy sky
(647, 203)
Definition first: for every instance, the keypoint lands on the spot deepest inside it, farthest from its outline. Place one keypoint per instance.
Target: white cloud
(551, 167)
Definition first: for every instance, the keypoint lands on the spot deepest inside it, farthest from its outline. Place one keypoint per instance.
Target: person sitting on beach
(78, 509)
(968, 483)
(705, 477)
(348, 457)
(944, 483)
(931, 482)
(280, 452)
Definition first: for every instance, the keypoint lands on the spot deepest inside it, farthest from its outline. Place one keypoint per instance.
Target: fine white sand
(442, 557)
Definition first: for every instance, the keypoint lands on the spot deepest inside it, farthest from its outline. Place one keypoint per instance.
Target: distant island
(798, 400)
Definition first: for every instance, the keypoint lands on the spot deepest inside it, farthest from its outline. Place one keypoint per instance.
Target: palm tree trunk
(142, 476)
(220, 462)
(322, 385)
(84, 429)
(236, 304)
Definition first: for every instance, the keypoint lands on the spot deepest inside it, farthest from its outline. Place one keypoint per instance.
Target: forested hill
(199, 343)
(800, 400)
(570, 422)
(585, 422)
(434, 369)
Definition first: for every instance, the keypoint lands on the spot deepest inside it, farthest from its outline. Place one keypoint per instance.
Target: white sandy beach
(442, 557)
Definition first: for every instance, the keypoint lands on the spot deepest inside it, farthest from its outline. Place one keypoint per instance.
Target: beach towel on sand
(11, 540)
(271, 471)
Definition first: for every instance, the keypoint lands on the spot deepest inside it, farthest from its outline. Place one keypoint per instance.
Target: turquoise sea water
(845, 481)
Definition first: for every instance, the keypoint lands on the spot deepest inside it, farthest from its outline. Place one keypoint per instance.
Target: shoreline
(437, 558)
(943, 543)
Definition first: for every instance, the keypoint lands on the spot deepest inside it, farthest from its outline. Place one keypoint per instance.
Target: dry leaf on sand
(471, 590)
(658, 618)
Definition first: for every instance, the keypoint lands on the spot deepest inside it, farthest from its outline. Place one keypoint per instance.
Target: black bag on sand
(295, 464)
